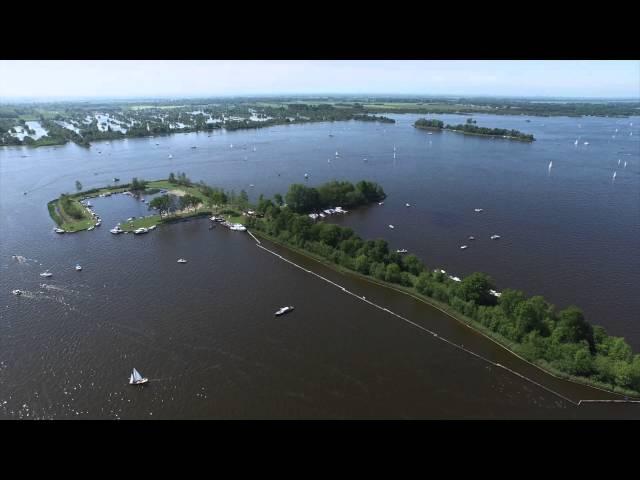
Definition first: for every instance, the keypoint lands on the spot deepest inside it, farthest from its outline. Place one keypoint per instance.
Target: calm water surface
(204, 332)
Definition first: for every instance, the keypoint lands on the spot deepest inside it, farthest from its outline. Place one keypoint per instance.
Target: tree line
(470, 127)
(561, 340)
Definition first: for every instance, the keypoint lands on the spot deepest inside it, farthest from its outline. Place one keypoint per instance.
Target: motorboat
(402, 250)
(407, 204)
(141, 230)
(462, 247)
(380, 203)
(16, 292)
(137, 379)
(306, 175)
(46, 274)
(152, 227)
(391, 226)
(78, 268)
(170, 156)
(58, 230)
(283, 310)
(494, 237)
(471, 237)
(478, 210)
(116, 230)
(182, 260)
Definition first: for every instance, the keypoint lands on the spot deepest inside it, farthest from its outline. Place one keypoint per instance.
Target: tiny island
(470, 128)
(560, 342)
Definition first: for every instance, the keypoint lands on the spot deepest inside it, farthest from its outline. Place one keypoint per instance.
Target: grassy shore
(505, 343)
(67, 222)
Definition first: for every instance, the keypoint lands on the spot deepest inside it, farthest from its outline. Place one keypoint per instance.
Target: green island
(560, 342)
(469, 128)
(87, 122)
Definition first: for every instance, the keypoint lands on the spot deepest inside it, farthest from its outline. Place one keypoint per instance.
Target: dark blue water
(204, 332)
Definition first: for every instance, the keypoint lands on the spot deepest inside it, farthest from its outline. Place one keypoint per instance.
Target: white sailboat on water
(550, 165)
(137, 379)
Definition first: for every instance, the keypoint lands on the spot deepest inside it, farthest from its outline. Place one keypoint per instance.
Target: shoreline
(468, 322)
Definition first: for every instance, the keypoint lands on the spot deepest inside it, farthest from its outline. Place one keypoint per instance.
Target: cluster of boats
(231, 226)
(328, 212)
(138, 231)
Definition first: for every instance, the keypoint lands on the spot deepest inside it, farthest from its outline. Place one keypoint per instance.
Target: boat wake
(23, 260)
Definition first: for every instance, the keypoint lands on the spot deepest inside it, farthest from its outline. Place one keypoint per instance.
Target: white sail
(136, 375)
(131, 379)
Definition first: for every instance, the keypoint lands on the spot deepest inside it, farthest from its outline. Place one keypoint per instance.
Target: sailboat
(614, 175)
(550, 165)
(625, 164)
(337, 154)
(576, 142)
(618, 162)
(137, 379)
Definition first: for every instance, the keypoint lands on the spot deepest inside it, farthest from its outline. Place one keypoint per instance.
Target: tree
(572, 327)
(244, 199)
(362, 264)
(475, 287)
(172, 178)
(78, 185)
(302, 199)
(412, 264)
(162, 203)
(278, 199)
(392, 273)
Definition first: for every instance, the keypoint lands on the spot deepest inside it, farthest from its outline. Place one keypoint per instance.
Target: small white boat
(182, 260)
(116, 230)
(251, 185)
(46, 274)
(306, 175)
(140, 230)
(380, 203)
(16, 292)
(407, 204)
(614, 175)
(98, 223)
(137, 379)
(337, 154)
(576, 142)
(402, 250)
(471, 237)
(478, 210)
(462, 247)
(58, 230)
(391, 226)
(170, 156)
(494, 237)
(152, 227)
(78, 268)
(283, 310)
(586, 143)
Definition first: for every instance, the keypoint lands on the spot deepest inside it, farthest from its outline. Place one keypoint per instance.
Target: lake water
(204, 332)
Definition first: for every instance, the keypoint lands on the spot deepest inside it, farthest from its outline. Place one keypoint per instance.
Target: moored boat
(283, 310)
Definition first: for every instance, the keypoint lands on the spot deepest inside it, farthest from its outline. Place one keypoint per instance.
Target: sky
(195, 78)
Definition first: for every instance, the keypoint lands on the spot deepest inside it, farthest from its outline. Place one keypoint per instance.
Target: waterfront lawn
(67, 222)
